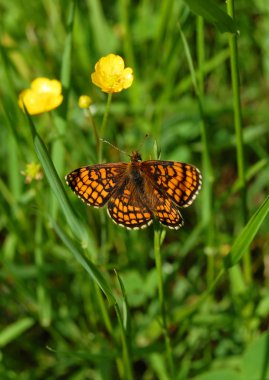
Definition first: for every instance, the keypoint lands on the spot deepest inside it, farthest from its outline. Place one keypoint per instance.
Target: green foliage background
(56, 254)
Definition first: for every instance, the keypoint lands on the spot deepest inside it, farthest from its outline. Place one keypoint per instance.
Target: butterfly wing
(179, 181)
(127, 209)
(95, 184)
(137, 193)
(163, 207)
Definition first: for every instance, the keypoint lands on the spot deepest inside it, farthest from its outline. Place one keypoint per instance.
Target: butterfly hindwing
(164, 209)
(126, 208)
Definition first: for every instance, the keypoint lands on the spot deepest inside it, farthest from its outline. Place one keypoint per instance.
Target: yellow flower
(110, 74)
(32, 171)
(44, 95)
(84, 101)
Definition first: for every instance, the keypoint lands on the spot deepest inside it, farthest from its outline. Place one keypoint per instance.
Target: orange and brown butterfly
(137, 191)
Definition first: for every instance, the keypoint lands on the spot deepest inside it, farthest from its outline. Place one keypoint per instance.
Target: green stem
(90, 119)
(60, 120)
(103, 127)
(208, 182)
(43, 299)
(158, 261)
(124, 12)
(128, 374)
(200, 47)
(207, 172)
(239, 133)
(100, 158)
(106, 319)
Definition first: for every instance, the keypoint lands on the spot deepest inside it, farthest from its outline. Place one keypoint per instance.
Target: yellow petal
(43, 96)
(110, 74)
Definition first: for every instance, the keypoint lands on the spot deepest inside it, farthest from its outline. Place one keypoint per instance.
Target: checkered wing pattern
(94, 184)
(166, 211)
(138, 191)
(178, 181)
(127, 209)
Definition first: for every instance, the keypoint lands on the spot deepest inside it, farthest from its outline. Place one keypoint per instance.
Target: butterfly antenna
(113, 146)
(143, 141)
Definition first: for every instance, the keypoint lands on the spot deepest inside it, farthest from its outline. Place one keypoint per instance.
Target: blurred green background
(55, 323)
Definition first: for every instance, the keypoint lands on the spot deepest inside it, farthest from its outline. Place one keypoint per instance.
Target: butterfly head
(135, 157)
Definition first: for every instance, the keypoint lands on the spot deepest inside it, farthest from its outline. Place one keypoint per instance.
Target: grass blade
(212, 13)
(56, 185)
(14, 330)
(92, 270)
(247, 235)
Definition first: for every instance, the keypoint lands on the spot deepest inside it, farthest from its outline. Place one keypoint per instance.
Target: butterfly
(138, 191)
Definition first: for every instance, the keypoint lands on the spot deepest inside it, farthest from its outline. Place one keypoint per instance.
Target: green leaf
(14, 330)
(255, 363)
(209, 10)
(247, 235)
(125, 307)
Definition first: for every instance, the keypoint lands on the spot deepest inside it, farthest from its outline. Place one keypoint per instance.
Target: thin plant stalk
(207, 172)
(128, 373)
(106, 320)
(239, 133)
(200, 47)
(103, 127)
(100, 158)
(158, 262)
(60, 120)
(91, 121)
(207, 193)
(43, 299)
(124, 8)
(124, 319)
(124, 12)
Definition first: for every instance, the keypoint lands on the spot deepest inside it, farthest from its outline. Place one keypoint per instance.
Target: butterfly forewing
(95, 184)
(179, 181)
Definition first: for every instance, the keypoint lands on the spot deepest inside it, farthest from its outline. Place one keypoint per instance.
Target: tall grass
(82, 298)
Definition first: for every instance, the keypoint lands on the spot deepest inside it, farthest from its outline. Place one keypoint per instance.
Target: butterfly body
(138, 191)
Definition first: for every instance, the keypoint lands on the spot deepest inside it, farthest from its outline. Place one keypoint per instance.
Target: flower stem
(103, 127)
(91, 121)
(158, 261)
(100, 158)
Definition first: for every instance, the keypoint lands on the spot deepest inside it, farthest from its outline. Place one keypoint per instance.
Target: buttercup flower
(44, 95)
(31, 172)
(84, 101)
(110, 74)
